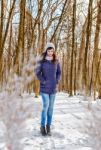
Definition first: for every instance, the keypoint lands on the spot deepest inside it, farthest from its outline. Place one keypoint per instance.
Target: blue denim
(47, 110)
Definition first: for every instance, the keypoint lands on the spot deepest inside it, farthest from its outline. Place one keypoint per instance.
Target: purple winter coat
(49, 75)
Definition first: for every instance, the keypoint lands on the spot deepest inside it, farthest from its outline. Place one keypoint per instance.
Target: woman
(48, 73)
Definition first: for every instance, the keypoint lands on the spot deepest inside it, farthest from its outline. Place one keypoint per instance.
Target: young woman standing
(49, 74)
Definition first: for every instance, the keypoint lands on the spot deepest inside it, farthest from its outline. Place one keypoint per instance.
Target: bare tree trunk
(8, 23)
(60, 19)
(97, 86)
(96, 50)
(19, 58)
(75, 69)
(1, 36)
(1, 25)
(88, 33)
(73, 45)
(81, 57)
(9, 50)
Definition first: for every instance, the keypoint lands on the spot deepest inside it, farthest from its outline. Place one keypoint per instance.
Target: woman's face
(50, 52)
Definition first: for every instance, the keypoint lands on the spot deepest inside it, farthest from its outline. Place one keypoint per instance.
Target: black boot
(43, 131)
(48, 130)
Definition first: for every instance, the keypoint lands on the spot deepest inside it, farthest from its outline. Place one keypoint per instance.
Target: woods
(73, 26)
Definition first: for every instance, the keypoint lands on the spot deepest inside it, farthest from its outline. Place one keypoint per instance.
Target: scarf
(48, 58)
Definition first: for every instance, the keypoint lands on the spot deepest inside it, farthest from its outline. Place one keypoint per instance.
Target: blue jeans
(47, 110)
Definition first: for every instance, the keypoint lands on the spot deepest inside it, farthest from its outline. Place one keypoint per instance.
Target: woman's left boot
(48, 130)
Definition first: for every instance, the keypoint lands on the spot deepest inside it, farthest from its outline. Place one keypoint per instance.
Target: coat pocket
(42, 83)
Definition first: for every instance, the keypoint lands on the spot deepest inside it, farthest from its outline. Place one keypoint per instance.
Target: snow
(68, 119)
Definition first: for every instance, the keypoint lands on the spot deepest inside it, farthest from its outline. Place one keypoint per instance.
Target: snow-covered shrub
(92, 124)
(17, 83)
(13, 112)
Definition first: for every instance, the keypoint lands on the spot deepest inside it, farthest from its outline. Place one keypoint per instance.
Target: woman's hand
(43, 82)
(57, 86)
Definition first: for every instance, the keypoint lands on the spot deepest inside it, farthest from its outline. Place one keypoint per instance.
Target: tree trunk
(96, 50)
(81, 57)
(73, 43)
(88, 34)
(19, 58)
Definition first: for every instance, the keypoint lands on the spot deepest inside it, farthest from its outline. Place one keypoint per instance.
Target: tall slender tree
(73, 46)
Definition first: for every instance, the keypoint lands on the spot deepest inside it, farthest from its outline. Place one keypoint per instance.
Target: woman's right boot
(43, 130)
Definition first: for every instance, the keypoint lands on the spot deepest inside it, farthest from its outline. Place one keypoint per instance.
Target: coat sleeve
(38, 72)
(58, 73)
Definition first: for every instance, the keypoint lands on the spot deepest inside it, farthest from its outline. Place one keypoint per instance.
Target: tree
(73, 45)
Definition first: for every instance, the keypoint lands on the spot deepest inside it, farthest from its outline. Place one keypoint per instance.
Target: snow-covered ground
(68, 119)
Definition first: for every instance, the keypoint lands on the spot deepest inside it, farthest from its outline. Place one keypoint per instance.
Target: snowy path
(66, 135)
(69, 113)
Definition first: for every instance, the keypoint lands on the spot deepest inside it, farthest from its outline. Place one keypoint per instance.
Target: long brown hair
(54, 56)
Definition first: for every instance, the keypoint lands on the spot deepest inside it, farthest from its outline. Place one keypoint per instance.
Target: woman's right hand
(57, 86)
(44, 82)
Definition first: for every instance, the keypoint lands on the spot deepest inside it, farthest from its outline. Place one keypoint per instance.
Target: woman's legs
(50, 109)
(47, 112)
(45, 101)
